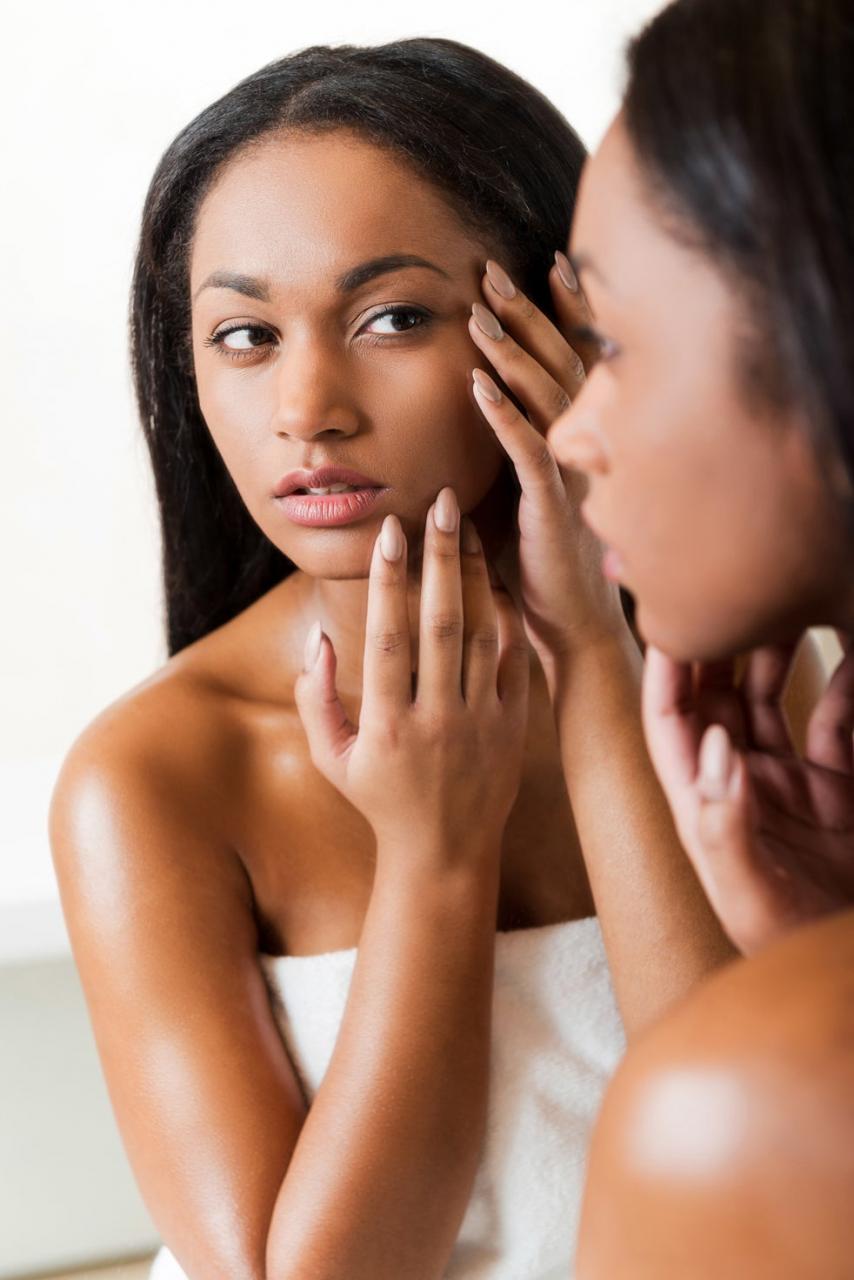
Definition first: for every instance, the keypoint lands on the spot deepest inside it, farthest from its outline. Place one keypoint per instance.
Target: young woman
(286, 925)
(713, 236)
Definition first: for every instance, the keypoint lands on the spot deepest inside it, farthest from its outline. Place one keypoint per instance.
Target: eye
(606, 349)
(239, 341)
(395, 320)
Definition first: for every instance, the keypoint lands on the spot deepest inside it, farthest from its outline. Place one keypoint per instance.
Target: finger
(543, 397)
(670, 722)
(530, 454)
(574, 315)
(514, 662)
(719, 699)
(480, 636)
(327, 727)
(724, 854)
(387, 667)
(830, 733)
(531, 329)
(440, 643)
(763, 686)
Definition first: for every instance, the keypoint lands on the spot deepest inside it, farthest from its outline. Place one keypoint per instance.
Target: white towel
(556, 1039)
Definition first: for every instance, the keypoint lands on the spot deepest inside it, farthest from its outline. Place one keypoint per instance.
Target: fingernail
(312, 645)
(715, 762)
(469, 537)
(391, 538)
(487, 322)
(486, 386)
(499, 279)
(565, 271)
(446, 513)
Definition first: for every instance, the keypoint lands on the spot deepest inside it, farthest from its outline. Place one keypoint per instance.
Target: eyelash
(607, 349)
(216, 340)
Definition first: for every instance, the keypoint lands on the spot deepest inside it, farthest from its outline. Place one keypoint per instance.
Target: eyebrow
(583, 262)
(354, 278)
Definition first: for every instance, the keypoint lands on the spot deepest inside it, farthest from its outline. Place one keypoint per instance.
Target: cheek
(428, 417)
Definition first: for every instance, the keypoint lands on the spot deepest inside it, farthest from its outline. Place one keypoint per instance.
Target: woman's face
(298, 366)
(712, 507)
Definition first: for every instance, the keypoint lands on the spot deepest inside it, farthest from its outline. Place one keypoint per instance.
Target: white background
(92, 93)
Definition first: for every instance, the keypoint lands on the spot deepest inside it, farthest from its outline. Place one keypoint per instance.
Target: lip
(613, 565)
(332, 509)
(327, 510)
(322, 478)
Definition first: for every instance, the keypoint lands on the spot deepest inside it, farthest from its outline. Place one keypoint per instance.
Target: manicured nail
(469, 538)
(312, 645)
(565, 271)
(715, 762)
(499, 279)
(486, 386)
(446, 513)
(487, 322)
(391, 538)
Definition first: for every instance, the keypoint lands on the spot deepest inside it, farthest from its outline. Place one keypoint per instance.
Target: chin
(710, 634)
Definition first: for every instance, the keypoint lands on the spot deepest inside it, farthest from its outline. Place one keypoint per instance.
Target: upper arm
(159, 912)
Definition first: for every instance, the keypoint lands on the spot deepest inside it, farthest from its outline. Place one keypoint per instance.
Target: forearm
(381, 1175)
(660, 932)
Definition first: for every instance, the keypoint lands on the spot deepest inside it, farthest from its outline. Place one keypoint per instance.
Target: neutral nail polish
(500, 281)
(312, 645)
(446, 513)
(565, 271)
(715, 761)
(391, 539)
(486, 386)
(487, 322)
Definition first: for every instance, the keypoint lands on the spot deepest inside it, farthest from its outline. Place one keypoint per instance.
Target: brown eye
(240, 340)
(396, 320)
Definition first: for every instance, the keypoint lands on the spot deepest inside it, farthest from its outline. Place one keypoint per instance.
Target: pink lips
(332, 509)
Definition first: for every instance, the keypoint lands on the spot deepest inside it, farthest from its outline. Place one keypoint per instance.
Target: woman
(303, 320)
(713, 235)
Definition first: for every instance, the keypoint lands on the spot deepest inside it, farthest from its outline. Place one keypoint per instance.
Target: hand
(770, 834)
(565, 597)
(438, 769)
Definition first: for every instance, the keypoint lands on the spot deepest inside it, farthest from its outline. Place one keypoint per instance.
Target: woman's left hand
(566, 599)
(770, 833)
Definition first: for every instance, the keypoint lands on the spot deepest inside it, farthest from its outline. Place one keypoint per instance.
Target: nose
(312, 396)
(577, 441)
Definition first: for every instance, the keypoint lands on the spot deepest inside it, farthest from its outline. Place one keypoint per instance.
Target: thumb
(725, 855)
(327, 727)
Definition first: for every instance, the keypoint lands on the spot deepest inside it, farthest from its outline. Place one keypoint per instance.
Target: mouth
(327, 496)
(613, 565)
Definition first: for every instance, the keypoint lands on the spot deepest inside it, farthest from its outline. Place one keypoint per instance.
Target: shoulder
(741, 1097)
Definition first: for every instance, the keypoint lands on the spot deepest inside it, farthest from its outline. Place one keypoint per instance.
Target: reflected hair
(739, 113)
(505, 159)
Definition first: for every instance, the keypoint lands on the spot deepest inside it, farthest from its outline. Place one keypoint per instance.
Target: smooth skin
(724, 1146)
(209, 814)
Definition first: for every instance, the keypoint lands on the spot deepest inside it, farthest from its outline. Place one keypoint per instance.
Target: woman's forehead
(305, 205)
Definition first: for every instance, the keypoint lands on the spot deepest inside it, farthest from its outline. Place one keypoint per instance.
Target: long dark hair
(505, 158)
(740, 113)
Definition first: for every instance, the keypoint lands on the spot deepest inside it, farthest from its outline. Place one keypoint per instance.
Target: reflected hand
(565, 597)
(770, 834)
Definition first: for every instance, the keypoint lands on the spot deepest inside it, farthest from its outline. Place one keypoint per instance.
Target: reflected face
(313, 358)
(712, 506)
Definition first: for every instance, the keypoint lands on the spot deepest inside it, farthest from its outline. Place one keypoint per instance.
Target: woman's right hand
(436, 767)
